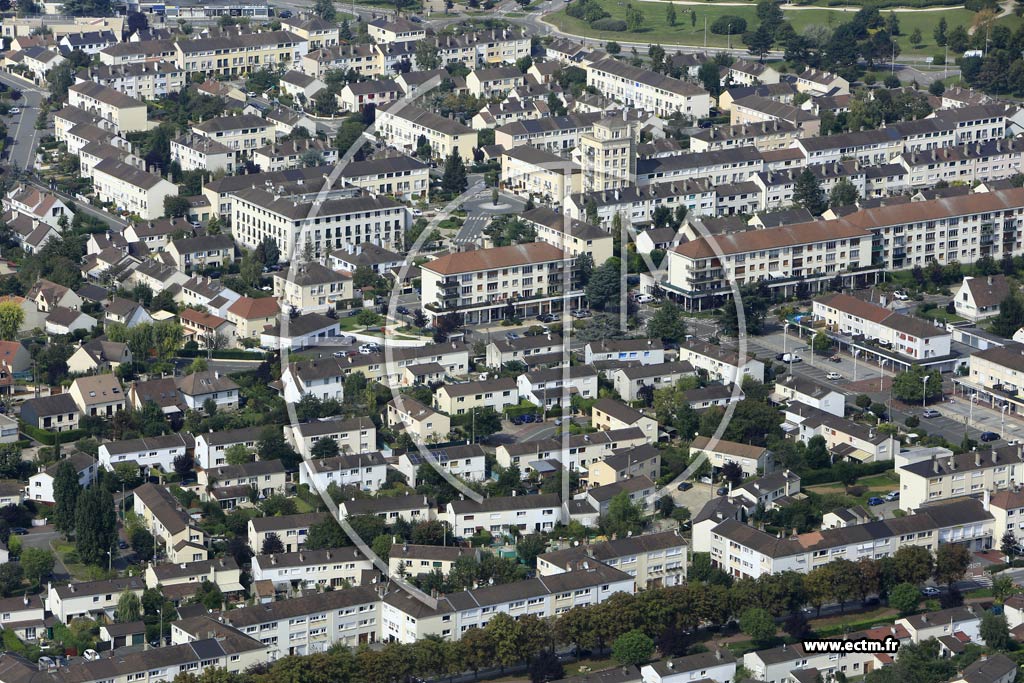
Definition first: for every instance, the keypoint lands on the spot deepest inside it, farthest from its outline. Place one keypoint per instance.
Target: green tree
(427, 57)
(670, 14)
(759, 42)
(1011, 315)
(821, 343)
(910, 385)
(710, 76)
(37, 564)
(175, 206)
(454, 180)
(913, 564)
(143, 544)
(939, 33)
(529, 547)
(633, 648)
(758, 624)
(325, 10)
(624, 516)
(995, 631)
(325, 448)
(65, 494)
(95, 525)
(634, 18)
(1003, 588)
(916, 38)
(951, 563)
(807, 193)
(667, 323)
(238, 454)
(272, 545)
(129, 608)
(904, 598)
(605, 285)
(11, 318)
(844, 193)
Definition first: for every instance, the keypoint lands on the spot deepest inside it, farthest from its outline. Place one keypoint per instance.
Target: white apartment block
(753, 460)
(365, 471)
(401, 126)
(150, 452)
(237, 55)
(636, 205)
(89, 599)
(910, 337)
(131, 189)
(198, 152)
(466, 462)
(240, 132)
(556, 386)
(576, 454)
(534, 278)
(401, 176)
(459, 399)
(499, 514)
(645, 89)
(721, 364)
(355, 435)
(312, 569)
(125, 114)
(312, 623)
(292, 222)
(142, 80)
(210, 447)
(743, 551)
(966, 474)
(654, 560)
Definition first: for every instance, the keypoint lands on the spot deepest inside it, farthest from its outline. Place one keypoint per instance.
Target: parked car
(122, 544)
(285, 14)
(91, 655)
(581, 313)
(788, 358)
(367, 349)
(930, 591)
(930, 412)
(14, 111)
(517, 420)
(402, 310)
(511, 336)
(875, 500)
(722, 490)
(558, 422)
(892, 495)
(684, 486)
(833, 375)
(644, 298)
(900, 295)
(989, 436)
(546, 318)
(19, 531)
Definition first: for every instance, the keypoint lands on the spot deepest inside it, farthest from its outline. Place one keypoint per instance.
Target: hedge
(608, 24)
(828, 475)
(226, 354)
(49, 438)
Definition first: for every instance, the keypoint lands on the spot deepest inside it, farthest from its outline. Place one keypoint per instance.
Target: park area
(691, 18)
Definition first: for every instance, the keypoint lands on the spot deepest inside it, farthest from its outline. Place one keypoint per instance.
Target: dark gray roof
(295, 209)
(497, 503)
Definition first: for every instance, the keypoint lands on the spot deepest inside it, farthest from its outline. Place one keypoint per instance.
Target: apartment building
(314, 30)
(573, 236)
(753, 460)
(794, 388)
(630, 380)
(846, 439)
(142, 80)
(265, 476)
(281, 156)
(124, 113)
(765, 136)
(466, 462)
(40, 484)
(758, 109)
(625, 463)
(89, 599)
(199, 152)
(575, 454)
(411, 508)
(422, 423)
(644, 89)
(532, 278)
(910, 337)
(458, 399)
(312, 569)
(397, 30)
(997, 375)
(131, 189)
(721, 364)
(240, 132)
(211, 446)
(481, 48)
(142, 51)
(551, 133)
(494, 81)
(508, 111)
(701, 272)
(636, 205)
(365, 471)
(775, 188)
(312, 288)
(353, 435)
(498, 514)
(401, 125)
(292, 222)
(241, 53)
(549, 387)
(965, 474)
(401, 176)
(181, 581)
(407, 559)
(312, 623)
(406, 619)
(608, 414)
(744, 551)
(290, 529)
(169, 524)
(969, 163)
(452, 356)
(149, 452)
(735, 165)
(527, 171)
(718, 666)
(529, 350)
(360, 58)
(653, 560)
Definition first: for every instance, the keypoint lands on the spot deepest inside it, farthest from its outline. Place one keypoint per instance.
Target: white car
(14, 110)
(367, 349)
(644, 298)
(900, 295)
(91, 655)
(833, 375)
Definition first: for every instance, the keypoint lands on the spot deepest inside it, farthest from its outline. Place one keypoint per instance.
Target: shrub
(729, 24)
(608, 24)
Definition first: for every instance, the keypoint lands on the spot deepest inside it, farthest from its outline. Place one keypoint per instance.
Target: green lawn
(685, 32)
(940, 314)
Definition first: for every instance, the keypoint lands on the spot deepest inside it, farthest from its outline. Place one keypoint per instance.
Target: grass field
(686, 32)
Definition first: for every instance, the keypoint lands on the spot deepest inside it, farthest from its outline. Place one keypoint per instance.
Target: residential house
(979, 297)
(98, 395)
(422, 423)
(58, 413)
(209, 385)
(290, 529)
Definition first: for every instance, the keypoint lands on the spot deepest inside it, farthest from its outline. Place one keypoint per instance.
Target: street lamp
(855, 352)
(881, 372)
(970, 419)
(1002, 420)
(924, 391)
(785, 333)
(110, 561)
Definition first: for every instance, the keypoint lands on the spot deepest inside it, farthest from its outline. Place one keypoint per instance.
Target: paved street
(21, 128)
